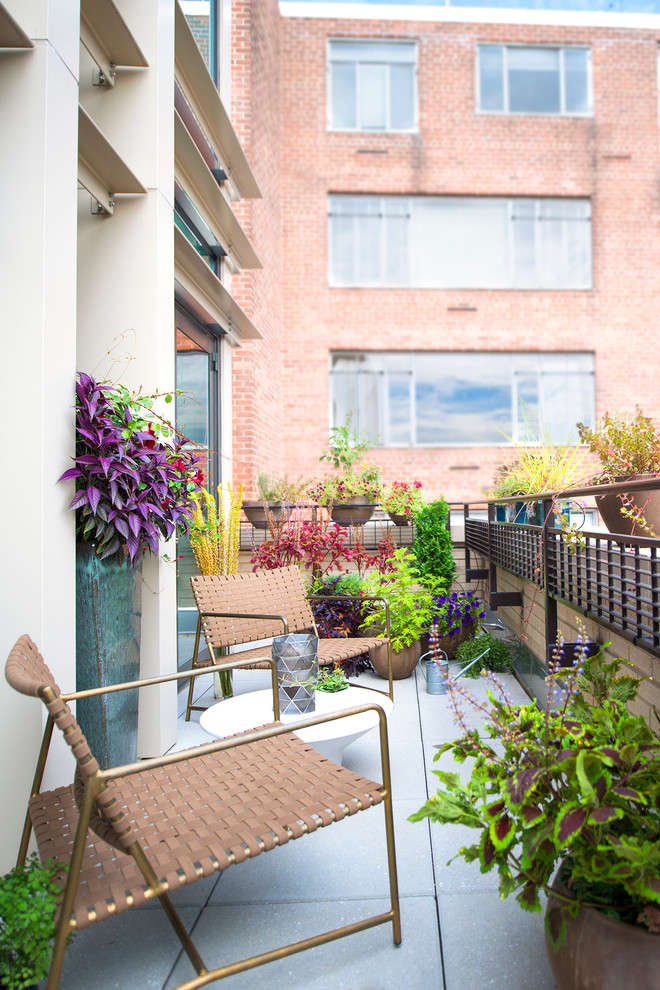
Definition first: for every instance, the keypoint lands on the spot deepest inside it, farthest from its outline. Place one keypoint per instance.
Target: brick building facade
(596, 155)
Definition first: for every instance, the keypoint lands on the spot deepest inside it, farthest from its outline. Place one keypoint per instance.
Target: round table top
(247, 711)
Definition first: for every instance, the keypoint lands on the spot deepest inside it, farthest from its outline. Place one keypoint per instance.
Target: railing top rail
(632, 485)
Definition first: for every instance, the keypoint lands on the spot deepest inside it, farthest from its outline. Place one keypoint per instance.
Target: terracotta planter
(648, 500)
(354, 511)
(599, 953)
(403, 661)
(255, 512)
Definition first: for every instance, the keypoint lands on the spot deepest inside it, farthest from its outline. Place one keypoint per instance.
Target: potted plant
(411, 607)
(453, 619)
(351, 496)
(537, 469)
(576, 787)
(29, 898)
(268, 502)
(135, 485)
(483, 652)
(629, 449)
(331, 679)
(433, 549)
(402, 501)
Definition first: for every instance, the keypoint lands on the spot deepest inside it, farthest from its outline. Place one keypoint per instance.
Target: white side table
(247, 711)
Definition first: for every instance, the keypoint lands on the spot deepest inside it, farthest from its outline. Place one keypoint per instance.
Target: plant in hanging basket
(135, 484)
(402, 501)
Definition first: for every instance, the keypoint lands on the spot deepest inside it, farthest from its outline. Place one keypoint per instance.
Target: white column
(126, 287)
(38, 179)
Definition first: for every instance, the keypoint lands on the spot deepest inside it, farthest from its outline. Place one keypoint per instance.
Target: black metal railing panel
(614, 583)
(610, 578)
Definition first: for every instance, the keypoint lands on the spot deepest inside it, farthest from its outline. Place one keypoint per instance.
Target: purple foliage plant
(132, 488)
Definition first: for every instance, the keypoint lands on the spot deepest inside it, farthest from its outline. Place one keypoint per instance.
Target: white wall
(38, 168)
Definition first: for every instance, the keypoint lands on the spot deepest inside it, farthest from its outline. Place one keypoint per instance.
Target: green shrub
(432, 550)
(28, 901)
(497, 659)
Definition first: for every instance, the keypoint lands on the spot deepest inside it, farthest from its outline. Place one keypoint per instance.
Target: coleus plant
(133, 486)
(578, 784)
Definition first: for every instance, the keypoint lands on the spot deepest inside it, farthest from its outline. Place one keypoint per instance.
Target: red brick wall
(612, 158)
(257, 365)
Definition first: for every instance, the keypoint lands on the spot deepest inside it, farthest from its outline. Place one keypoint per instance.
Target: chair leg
(191, 686)
(389, 831)
(184, 938)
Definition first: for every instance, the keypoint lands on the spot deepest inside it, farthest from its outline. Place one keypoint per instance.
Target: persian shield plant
(134, 482)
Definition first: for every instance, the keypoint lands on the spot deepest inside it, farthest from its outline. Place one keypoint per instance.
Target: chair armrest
(241, 739)
(164, 678)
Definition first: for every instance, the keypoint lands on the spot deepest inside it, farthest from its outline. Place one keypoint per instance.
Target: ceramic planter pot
(255, 512)
(609, 506)
(403, 661)
(600, 953)
(354, 511)
(108, 632)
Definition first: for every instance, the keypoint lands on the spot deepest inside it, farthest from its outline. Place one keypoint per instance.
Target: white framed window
(459, 242)
(522, 79)
(449, 398)
(372, 85)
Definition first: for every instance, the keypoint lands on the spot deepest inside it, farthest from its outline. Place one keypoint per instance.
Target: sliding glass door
(198, 418)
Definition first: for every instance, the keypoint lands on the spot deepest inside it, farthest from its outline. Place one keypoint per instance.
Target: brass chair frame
(221, 637)
(96, 782)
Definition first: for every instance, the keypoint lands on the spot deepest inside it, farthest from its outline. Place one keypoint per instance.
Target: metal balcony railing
(612, 579)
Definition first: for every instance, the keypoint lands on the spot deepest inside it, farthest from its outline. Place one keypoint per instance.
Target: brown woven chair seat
(194, 819)
(238, 609)
(132, 834)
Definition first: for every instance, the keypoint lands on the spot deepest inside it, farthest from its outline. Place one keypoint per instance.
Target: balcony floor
(457, 934)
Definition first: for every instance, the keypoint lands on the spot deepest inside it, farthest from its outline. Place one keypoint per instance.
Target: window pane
(369, 250)
(343, 96)
(372, 51)
(566, 399)
(459, 243)
(533, 80)
(397, 254)
(464, 398)
(491, 83)
(398, 409)
(402, 97)
(341, 253)
(576, 80)
(526, 406)
(372, 97)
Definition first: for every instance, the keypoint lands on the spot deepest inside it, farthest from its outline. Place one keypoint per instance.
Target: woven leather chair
(237, 609)
(133, 833)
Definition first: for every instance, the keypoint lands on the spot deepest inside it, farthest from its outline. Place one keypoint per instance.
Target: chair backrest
(27, 672)
(276, 592)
